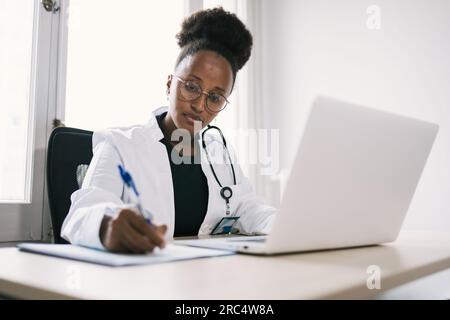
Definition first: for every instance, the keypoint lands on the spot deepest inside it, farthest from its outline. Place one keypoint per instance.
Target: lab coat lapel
(159, 172)
(163, 190)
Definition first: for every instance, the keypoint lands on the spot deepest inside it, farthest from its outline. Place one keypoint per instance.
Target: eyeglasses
(191, 91)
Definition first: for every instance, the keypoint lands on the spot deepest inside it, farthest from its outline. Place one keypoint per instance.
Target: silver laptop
(351, 183)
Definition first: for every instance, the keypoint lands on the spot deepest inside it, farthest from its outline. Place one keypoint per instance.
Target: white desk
(326, 274)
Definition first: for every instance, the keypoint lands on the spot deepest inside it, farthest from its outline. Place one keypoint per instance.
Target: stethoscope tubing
(226, 149)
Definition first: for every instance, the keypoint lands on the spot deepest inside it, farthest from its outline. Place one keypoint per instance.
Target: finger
(117, 240)
(132, 247)
(118, 247)
(136, 224)
(138, 242)
(112, 237)
(128, 243)
(157, 236)
(153, 233)
(128, 247)
(162, 229)
(124, 248)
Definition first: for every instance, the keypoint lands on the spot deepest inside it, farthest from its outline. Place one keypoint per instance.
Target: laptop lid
(353, 178)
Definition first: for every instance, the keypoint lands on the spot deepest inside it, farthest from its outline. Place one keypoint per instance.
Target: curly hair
(219, 31)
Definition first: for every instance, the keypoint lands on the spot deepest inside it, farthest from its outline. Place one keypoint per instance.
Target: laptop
(354, 175)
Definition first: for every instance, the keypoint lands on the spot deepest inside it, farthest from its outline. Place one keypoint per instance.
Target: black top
(190, 189)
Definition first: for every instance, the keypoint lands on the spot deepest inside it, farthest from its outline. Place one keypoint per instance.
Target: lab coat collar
(154, 130)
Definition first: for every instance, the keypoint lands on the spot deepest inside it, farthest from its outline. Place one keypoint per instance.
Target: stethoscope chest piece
(226, 193)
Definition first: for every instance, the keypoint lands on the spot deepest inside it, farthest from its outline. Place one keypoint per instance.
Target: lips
(191, 118)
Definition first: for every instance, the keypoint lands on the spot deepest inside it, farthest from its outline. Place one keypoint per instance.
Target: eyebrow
(201, 80)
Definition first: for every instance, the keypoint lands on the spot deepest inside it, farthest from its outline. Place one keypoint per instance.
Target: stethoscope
(225, 192)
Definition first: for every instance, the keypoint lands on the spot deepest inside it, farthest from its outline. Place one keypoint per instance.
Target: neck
(168, 127)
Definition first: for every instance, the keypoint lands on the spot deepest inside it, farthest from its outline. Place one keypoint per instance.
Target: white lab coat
(140, 151)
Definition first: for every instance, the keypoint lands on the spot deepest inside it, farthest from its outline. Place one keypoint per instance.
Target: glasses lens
(190, 90)
(216, 102)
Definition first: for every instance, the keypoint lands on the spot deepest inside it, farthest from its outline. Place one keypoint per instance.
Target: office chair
(68, 148)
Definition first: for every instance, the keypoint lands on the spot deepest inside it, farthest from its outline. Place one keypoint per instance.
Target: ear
(169, 83)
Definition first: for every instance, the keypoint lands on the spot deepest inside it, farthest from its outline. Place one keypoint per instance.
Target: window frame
(31, 221)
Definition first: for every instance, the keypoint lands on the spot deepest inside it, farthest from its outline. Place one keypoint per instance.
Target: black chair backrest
(67, 148)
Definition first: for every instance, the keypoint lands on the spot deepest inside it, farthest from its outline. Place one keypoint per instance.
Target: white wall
(318, 46)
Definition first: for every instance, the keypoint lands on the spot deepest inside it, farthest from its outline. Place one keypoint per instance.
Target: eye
(215, 98)
(191, 87)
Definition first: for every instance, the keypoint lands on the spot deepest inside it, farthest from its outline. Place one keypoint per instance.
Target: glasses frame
(202, 92)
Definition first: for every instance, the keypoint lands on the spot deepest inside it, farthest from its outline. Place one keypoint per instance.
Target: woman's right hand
(128, 232)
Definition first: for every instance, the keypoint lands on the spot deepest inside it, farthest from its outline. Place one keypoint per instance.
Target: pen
(128, 181)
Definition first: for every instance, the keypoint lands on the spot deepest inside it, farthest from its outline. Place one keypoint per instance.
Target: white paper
(170, 253)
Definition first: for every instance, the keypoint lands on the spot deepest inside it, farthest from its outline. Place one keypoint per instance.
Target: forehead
(213, 69)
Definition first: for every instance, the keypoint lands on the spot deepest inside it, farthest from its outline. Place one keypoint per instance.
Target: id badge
(225, 225)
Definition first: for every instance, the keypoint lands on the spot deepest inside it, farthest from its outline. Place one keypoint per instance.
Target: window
(16, 103)
(118, 58)
(26, 71)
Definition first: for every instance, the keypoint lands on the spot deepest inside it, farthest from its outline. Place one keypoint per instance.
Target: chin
(180, 124)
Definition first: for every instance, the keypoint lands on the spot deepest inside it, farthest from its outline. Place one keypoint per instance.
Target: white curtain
(247, 114)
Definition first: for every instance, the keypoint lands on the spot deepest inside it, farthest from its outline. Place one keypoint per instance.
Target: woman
(178, 186)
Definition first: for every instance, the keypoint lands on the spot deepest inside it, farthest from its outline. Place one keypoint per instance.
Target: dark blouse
(190, 189)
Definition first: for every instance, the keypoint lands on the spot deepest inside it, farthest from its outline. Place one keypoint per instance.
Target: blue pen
(128, 181)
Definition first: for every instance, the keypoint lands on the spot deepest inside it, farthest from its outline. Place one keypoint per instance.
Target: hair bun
(221, 28)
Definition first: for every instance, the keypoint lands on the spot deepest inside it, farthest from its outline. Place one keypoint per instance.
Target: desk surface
(326, 274)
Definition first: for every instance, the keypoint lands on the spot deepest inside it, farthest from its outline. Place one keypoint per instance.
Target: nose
(201, 103)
